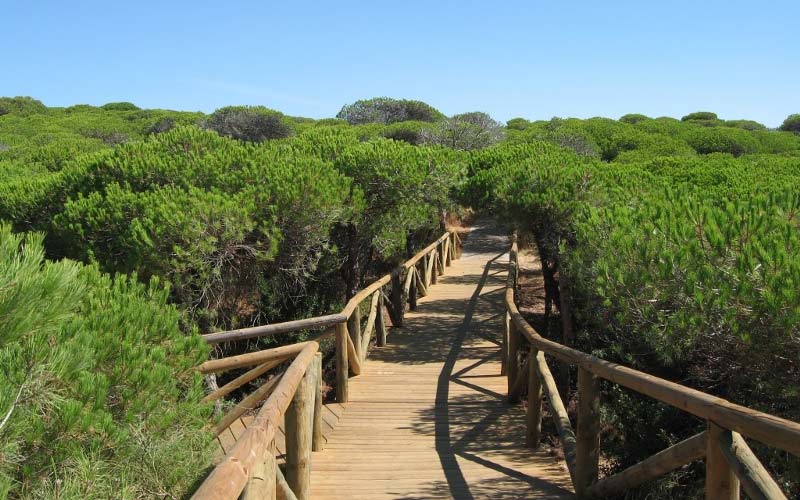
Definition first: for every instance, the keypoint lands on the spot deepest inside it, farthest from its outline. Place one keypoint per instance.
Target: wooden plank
(429, 408)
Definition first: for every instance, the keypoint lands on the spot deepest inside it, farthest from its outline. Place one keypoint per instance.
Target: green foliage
(120, 106)
(745, 124)
(229, 225)
(702, 116)
(249, 123)
(791, 124)
(517, 124)
(685, 267)
(633, 118)
(387, 110)
(721, 140)
(410, 132)
(465, 132)
(405, 189)
(96, 383)
(21, 106)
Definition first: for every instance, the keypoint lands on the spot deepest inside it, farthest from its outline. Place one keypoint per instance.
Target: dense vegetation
(245, 216)
(678, 238)
(681, 252)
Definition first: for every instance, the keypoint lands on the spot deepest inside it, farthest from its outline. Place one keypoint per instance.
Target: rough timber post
(342, 367)
(299, 425)
(587, 455)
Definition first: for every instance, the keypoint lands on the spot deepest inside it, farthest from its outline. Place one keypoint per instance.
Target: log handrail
(249, 468)
(230, 476)
(725, 417)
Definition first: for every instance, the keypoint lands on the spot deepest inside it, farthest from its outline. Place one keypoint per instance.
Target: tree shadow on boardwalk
(468, 429)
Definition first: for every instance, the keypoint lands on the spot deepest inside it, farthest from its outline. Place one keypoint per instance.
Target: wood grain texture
(427, 417)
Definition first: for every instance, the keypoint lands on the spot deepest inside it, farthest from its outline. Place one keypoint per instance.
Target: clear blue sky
(513, 58)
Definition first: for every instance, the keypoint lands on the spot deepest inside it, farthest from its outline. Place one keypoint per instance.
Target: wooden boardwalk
(427, 418)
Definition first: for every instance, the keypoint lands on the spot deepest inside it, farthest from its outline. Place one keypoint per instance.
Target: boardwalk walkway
(427, 418)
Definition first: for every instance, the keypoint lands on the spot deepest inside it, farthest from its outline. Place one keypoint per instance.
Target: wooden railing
(730, 463)
(294, 396)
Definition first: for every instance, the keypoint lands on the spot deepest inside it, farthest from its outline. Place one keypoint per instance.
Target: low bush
(246, 123)
(98, 399)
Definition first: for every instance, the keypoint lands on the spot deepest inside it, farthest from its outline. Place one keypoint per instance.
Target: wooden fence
(731, 465)
(294, 396)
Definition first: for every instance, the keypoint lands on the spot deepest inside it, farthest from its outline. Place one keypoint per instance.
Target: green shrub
(633, 118)
(237, 229)
(22, 106)
(465, 132)
(96, 383)
(703, 116)
(246, 123)
(120, 106)
(791, 124)
(517, 124)
(721, 140)
(410, 132)
(387, 110)
(745, 124)
(683, 267)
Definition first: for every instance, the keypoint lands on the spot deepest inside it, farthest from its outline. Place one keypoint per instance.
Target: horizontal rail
(768, 429)
(240, 465)
(251, 358)
(323, 321)
(729, 461)
(275, 329)
(428, 249)
(230, 476)
(363, 294)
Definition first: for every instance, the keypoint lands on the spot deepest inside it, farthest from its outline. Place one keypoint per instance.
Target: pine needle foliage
(97, 397)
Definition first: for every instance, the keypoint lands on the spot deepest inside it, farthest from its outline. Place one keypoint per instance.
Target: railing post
(534, 414)
(380, 324)
(412, 290)
(435, 266)
(354, 328)
(261, 485)
(587, 455)
(342, 366)
(398, 307)
(721, 482)
(299, 424)
(513, 361)
(504, 344)
(317, 440)
(447, 250)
